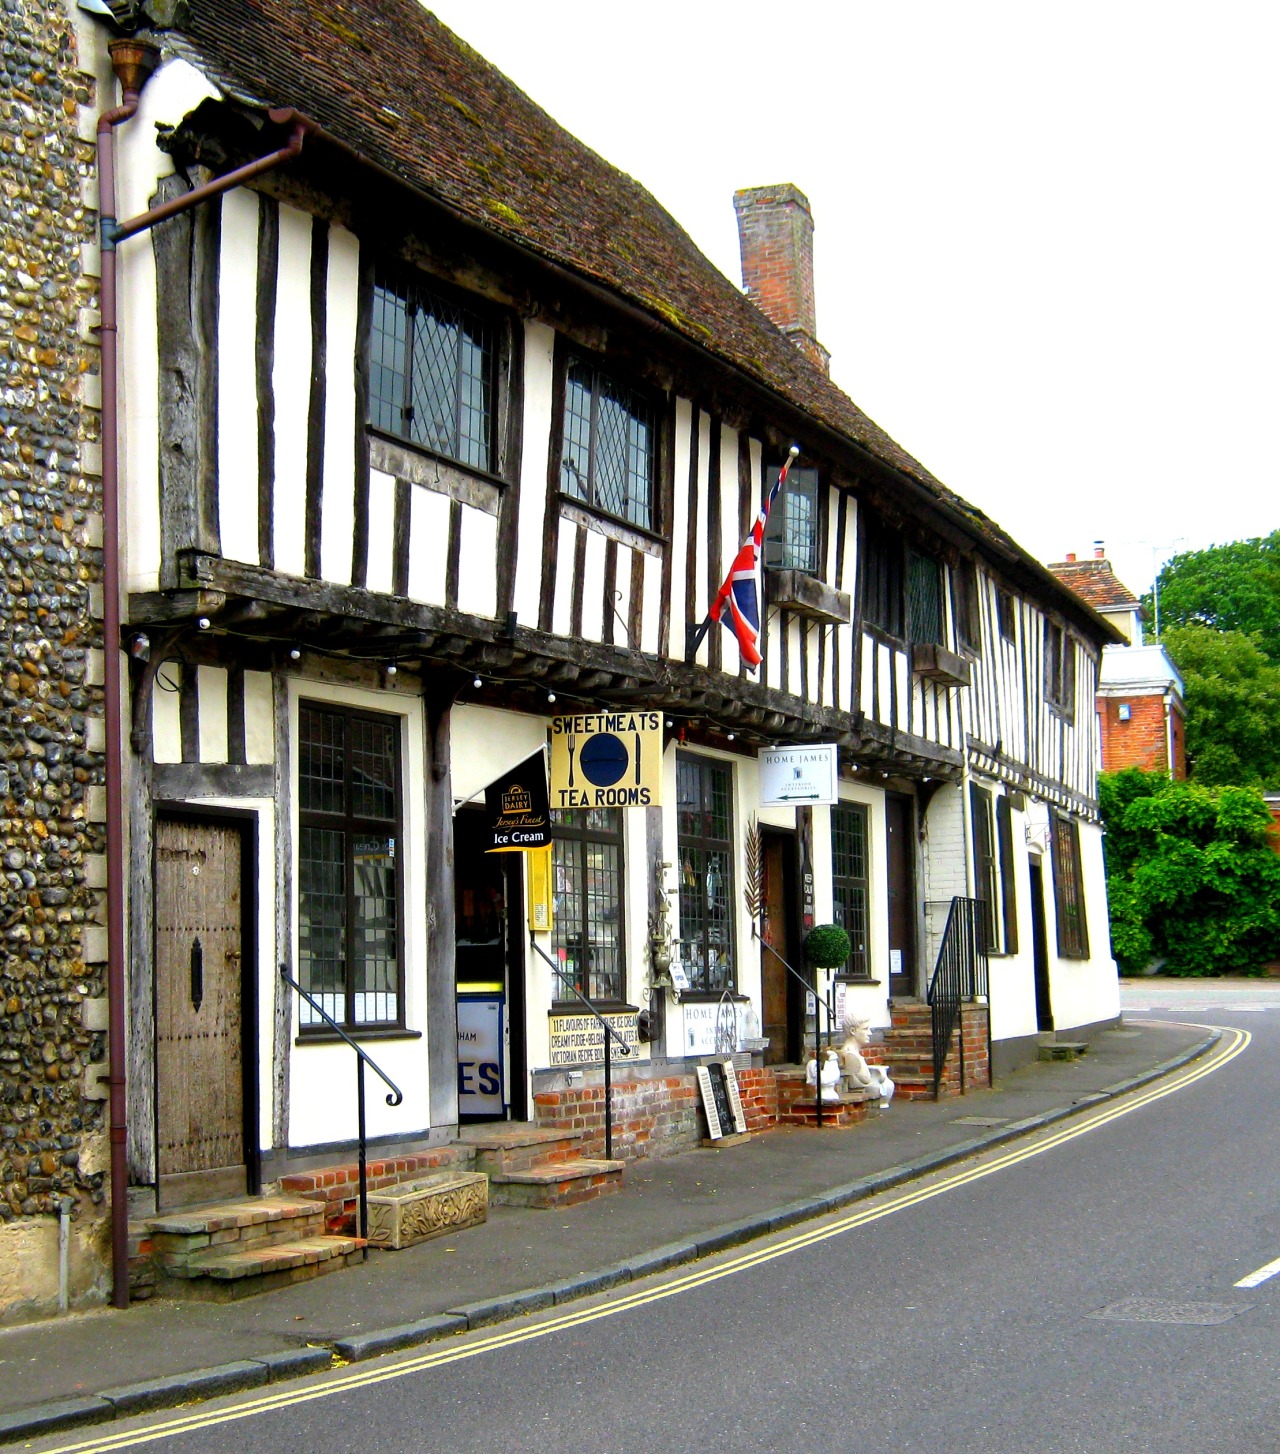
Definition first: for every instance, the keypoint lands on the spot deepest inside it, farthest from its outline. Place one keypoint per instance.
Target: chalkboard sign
(721, 1099)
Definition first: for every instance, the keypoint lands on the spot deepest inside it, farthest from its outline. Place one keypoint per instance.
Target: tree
(1233, 705)
(1191, 876)
(1233, 587)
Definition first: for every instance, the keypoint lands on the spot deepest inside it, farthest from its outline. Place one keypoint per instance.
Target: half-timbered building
(438, 428)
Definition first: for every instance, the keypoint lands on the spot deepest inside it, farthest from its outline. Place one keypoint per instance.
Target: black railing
(610, 1035)
(960, 974)
(394, 1097)
(825, 1002)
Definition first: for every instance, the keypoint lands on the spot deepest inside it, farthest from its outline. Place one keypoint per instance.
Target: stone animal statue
(881, 1085)
(829, 1074)
(857, 1072)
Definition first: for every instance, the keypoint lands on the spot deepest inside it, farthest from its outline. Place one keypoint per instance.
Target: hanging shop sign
(607, 760)
(790, 775)
(516, 807)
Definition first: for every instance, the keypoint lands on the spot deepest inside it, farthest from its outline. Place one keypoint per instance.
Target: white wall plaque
(791, 775)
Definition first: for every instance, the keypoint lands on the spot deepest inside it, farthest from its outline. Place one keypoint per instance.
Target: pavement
(96, 1366)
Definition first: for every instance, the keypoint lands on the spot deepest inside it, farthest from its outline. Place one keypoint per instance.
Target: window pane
(924, 599)
(387, 361)
(575, 452)
(849, 879)
(704, 815)
(376, 977)
(373, 769)
(322, 905)
(586, 858)
(607, 445)
(321, 761)
(442, 354)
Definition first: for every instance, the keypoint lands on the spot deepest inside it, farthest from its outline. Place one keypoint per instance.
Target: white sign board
(480, 1057)
(790, 775)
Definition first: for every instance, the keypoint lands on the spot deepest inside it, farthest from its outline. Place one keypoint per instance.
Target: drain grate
(980, 1121)
(1160, 1310)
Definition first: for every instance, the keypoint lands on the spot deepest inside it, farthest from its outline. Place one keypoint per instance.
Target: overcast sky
(1046, 235)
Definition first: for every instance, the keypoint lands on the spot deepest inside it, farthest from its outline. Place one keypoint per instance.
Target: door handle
(197, 974)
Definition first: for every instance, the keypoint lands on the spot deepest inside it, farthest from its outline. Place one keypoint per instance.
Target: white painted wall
(428, 545)
(1084, 990)
(477, 563)
(237, 378)
(337, 503)
(211, 689)
(291, 387)
(380, 563)
(539, 369)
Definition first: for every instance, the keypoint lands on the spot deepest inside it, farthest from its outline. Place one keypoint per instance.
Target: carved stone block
(399, 1216)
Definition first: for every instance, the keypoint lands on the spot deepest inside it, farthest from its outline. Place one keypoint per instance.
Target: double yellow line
(1233, 1043)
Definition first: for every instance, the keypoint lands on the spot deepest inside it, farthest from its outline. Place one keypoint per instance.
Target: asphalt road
(1078, 1299)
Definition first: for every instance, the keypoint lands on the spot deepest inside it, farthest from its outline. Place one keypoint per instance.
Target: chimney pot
(1099, 550)
(1071, 557)
(775, 237)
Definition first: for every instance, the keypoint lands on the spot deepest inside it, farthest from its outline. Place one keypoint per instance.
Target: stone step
(223, 1275)
(847, 1111)
(1062, 1050)
(510, 1146)
(916, 1085)
(557, 1184)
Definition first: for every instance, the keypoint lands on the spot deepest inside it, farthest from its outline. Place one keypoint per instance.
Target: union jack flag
(737, 602)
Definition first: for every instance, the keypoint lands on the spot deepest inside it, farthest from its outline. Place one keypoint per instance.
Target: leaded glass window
(586, 859)
(1068, 888)
(791, 530)
(608, 445)
(348, 865)
(849, 880)
(924, 600)
(704, 820)
(431, 372)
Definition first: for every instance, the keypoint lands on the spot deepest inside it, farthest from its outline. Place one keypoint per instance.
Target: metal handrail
(609, 1034)
(394, 1097)
(959, 974)
(827, 1005)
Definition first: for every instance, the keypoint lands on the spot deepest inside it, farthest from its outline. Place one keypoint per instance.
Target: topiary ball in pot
(827, 946)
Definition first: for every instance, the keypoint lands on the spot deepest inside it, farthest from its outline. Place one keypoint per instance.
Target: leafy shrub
(827, 946)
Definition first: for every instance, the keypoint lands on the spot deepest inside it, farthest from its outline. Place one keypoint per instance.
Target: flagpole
(694, 636)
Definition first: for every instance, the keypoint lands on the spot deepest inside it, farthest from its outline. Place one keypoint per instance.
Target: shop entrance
(489, 970)
(899, 820)
(779, 919)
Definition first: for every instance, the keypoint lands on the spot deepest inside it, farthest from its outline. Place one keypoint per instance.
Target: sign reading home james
(798, 775)
(607, 760)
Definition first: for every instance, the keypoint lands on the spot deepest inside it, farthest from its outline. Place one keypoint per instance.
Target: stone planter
(403, 1215)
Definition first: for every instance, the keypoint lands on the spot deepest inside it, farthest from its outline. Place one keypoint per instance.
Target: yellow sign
(607, 760)
(541, 901)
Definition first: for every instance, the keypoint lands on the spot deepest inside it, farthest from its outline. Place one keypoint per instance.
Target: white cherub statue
(829, 1074)
(857, 1072)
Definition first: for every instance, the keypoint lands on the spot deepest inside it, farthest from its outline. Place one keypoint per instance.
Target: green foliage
(1192, 878)
(827, 946)
(1233, 705)
(1234, 587)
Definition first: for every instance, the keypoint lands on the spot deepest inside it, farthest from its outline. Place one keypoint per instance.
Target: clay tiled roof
(386, 79)
(1096, 583)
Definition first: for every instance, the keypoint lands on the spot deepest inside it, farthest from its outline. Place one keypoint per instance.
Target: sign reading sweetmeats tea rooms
(607, 760)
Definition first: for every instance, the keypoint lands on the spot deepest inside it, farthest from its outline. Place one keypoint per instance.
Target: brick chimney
(775, 235)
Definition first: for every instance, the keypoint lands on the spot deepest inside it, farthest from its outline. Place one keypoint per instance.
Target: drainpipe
(133, 61)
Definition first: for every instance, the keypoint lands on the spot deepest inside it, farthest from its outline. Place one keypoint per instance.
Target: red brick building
(1140, 701)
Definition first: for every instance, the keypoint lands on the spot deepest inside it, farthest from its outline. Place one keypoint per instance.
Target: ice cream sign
(607, 760)
(791, 775)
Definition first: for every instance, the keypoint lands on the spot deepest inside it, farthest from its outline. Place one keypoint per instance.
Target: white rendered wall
(539, 369)
(237, 487)
(1084, 990)
(291, 388)
(337, 500)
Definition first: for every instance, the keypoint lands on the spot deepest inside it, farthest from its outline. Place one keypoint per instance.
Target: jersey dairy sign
(607, 760)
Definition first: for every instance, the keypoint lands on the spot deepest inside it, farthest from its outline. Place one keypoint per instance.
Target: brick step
(338, 1187)
(511, 1146)
(917, 1085)
(847, 1111)
(557, 1184)
(262, 1222)
(228, 1275)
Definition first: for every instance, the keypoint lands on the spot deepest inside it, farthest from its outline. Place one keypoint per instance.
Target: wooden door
(782, 993)
(902, 896)
(200, 1050)
(1040, 949)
